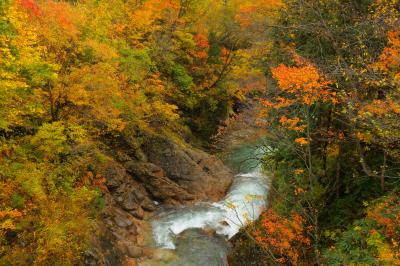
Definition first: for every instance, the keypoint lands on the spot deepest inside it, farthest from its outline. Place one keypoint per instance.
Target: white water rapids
(242, 205)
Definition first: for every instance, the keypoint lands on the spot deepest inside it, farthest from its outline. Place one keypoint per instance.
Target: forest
(104, 99)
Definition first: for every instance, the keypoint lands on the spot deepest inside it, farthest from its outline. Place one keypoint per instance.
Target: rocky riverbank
(163, 172)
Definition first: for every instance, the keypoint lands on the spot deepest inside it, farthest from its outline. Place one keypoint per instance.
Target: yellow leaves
(386, 254)
(102, 50)
(251, 198)
(145, 15)
(364, 137)
(19, 50)
(168, 111)
(299, 171)
(251, 11)
(7, 219)
(332, 150)
(302, 141)
(298, 191)
(54, 138)
(8, 224)
(231, 205)
(62, 217)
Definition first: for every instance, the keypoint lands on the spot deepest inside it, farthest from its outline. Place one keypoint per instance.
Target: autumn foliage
(284, 237)
(331, 109)
(78, 78)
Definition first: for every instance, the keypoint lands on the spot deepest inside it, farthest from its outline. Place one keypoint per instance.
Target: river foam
(243, 204)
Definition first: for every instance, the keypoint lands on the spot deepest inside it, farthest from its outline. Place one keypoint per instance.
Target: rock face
(161, 171)
(194, 170)
(157, 183)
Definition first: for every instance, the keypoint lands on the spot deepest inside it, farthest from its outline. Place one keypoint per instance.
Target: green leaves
(55, 138)
(136, 63)
(181, 77)
(40, 74)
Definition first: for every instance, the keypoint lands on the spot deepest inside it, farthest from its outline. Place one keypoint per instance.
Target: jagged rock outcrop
(192, 169)
(157, 183)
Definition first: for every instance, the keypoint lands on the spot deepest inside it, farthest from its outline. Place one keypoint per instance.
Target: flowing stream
(185, 229)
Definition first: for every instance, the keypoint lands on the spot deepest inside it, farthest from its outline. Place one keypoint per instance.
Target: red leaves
(202, 46)
(387, 216)
(201, 41)
(31, 6)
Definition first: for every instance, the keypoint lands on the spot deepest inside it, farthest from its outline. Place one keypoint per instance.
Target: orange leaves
(59, 15)
(10, 214)
(249, 9)
(292, 124)
(202, 46)
(390, 57)
(150, 11)
(299, 87)
(302, 141)
(387, 215)
(283, 236)
(380, 108)
(299, 171)
(201, 41)
(303, 82)
(94, 181)
(31, 6)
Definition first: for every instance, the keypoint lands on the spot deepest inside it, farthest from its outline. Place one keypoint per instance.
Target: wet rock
(134, 251)
(105, 250)
(140, 155)
(118, 236)
(133, 230)
(138, 213)
(198, 248)
(156, 182)
(91, 257)
(224, 223)
(122, 222)
(148, 253)
(122, 157)
(129, 202)
(192, 169)
(138, 195)
(113, 171)
(148, 205)
(112, 184)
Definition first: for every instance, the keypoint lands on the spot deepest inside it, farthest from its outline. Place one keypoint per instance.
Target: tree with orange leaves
(283, 237)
